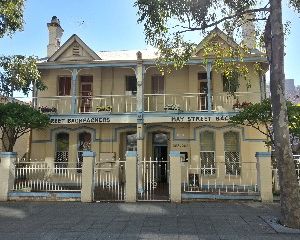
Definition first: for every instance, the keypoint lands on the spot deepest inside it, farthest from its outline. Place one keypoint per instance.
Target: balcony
(186, 102)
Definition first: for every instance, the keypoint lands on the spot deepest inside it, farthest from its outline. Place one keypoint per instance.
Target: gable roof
(216, 32)
(74, 38)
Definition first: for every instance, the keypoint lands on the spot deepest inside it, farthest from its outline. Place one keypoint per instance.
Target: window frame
(159, 78)
(129, 78)
(59, 82)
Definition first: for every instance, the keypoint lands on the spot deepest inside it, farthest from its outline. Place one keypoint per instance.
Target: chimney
(248, 31)
(55, 33)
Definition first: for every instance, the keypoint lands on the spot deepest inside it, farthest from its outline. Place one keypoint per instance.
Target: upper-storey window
(158, 84)
(64, 85)
(231, 84)
(131, 85)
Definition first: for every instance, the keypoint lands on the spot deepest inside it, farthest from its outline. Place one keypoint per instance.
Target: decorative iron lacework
(208, 165)
(232, 163)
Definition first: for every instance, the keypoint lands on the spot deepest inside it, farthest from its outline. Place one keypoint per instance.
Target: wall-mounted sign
(133, 118)
(186, 118)
(78, 120)
(180, 145)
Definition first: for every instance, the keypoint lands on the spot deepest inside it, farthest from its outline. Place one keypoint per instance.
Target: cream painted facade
(202, 106)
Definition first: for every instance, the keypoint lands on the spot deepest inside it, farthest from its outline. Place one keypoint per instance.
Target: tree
(259, 116)
(166, 24)
(19, 73)
(16, 120)
(11, 16)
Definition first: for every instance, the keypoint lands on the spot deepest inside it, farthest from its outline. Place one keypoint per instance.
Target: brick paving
(91, 221)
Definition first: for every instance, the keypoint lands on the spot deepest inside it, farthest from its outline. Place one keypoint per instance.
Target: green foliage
(259, 116)
(16, 120)
(11, 16)
(166, 24)
(19, 73)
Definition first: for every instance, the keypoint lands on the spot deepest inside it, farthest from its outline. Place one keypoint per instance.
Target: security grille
(208, 165)
(61, 160)
(232, 163)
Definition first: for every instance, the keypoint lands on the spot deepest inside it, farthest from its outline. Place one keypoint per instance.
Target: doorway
(161, 157)
(86, 91)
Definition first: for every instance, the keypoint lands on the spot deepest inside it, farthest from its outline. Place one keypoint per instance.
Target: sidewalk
(195, 220)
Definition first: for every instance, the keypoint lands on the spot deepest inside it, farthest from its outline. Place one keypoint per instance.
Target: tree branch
(190, 29)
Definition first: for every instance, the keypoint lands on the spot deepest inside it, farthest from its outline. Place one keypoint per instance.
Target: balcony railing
(186, 102)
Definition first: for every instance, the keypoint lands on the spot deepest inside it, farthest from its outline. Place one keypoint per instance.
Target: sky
(110, 25)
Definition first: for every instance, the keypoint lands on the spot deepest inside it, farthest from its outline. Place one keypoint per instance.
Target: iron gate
(109, 179)
(153, 180)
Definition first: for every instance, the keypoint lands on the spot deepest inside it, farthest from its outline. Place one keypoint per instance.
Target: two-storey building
(111, 102)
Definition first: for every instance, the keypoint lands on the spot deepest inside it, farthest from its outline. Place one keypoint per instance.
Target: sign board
(186, 118)
(78, 119)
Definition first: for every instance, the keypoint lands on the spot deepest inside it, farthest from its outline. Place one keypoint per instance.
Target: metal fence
(46, 177)
(217, 179)
(275, 177)
(153, 180)
(109, 180)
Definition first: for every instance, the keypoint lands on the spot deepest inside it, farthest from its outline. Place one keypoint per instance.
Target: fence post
(7, 173)
(87, 189)
(131, 176)
(50, 165)
(175, 177)
(264, 176)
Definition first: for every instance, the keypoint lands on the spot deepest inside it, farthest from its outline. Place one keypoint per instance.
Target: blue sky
(108, 25)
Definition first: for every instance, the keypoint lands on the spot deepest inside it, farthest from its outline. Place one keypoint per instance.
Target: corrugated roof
(126, 54)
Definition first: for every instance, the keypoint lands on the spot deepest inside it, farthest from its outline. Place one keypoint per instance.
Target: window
(62, 150)
(131, 84)
(160, 139)
(207, 153)
(231, 84)
(158, 84)
(64, 85)
(203, 76)
(232, 153)
(131, 142)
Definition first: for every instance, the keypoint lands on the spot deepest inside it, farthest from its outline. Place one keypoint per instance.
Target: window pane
(228, 86)
(131, 83)
(207, 141)
(64, 85)
(62, 142)
(158, 84)
(202, 76)
(231, 142)
(160, 139)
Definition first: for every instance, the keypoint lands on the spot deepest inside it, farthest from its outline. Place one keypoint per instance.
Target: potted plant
(106, 108)
(172, 107)
(48, 110)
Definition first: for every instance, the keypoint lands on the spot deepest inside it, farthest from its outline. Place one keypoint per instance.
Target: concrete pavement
(192, 220)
